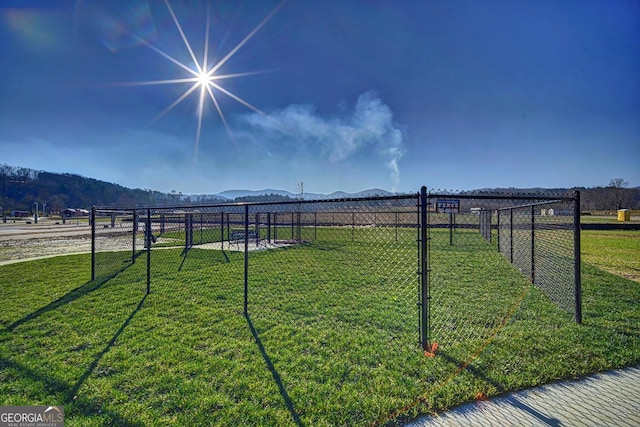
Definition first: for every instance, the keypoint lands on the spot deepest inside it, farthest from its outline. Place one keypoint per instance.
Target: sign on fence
(447, 206)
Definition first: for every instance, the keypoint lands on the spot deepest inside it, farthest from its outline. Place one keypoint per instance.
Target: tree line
(612, 197)
(21, 188)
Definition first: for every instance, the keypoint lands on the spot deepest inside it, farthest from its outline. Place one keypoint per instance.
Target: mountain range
(234, 194)
(23, 189)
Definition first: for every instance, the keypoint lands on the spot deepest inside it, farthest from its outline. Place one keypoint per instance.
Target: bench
(239, 235)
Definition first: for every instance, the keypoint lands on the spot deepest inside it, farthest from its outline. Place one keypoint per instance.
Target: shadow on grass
(73, 391)
(184, 255)
(610, 302)
(196, 258)
(69, 297)
(512, 400)
(275, 374)
(53, 386)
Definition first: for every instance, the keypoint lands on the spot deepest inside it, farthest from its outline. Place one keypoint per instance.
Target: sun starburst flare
(203, 76)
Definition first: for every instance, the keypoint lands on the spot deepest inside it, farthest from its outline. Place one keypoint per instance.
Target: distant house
(75, 212)
(19, 214)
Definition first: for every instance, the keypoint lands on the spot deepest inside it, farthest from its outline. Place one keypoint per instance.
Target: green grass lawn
(610, 219)
(331, 337)
(617, 252)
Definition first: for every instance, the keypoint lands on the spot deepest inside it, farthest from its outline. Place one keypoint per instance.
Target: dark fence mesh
(334, 264)
(357, 261)
(339, 266)
(113, 243)
(538, 238)
(485, 252)
(336, 295)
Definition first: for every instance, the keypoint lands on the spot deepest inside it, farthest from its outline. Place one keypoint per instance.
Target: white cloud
(368, 128)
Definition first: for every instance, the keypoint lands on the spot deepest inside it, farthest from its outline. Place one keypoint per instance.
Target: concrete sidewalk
(608, 399)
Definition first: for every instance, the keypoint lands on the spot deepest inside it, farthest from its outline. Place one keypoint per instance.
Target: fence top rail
(542, 199)
(529, 205)
(546, 199)
(408, 196)
(115, 211)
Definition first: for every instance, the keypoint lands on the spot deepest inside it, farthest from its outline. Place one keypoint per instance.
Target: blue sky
(339, 94)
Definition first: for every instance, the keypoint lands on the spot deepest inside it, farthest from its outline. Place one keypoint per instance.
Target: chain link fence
(114, 235)
(385, 272)
(345, 268)
(539, 238)
(473, 291)
(334, 264)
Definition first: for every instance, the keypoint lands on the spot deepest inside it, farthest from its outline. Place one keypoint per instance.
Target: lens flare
(203, 75)
(204, 79)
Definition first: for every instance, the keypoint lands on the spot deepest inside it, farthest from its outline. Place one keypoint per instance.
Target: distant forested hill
(21, 188)
(606, 198)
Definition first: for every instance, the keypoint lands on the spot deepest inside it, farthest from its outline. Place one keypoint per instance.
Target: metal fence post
(396, 227)
(93, 243)
(576, 256)
(148, 243)
(257, 227)
(533, 245)
(229, 228)
(246, 259)
(424, 273)
(511, 235)
(135, 231)
(269, 227)
(222, 230)
(186, 232)
(498, 227)
(353, 225)
(189, 231)
(489, 226)
(292, 226)
(451, 228)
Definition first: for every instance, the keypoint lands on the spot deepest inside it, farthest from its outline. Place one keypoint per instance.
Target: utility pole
(300, 190)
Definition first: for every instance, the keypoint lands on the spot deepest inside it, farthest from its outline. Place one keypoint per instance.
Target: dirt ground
(27, 249)
(20, 241)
